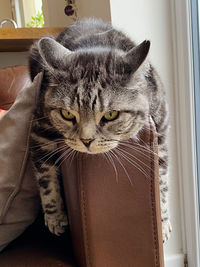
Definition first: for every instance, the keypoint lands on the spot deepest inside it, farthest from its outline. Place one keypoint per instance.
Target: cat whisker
(72, 157)
(133, 162)
(67, 152)
(145, 127)
(39, 119)
(138, 150)
(71, 154)
(46, 146)
(111, 161)
(64, 155)
(56, 141)
(144, 148)
(47, 128)
(52, 153)
(130, 155)
(112, 153)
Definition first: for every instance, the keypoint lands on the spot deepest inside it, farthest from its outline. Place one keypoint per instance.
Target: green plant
(37, 21)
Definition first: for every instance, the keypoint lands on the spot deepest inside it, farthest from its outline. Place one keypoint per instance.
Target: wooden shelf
(17, 40)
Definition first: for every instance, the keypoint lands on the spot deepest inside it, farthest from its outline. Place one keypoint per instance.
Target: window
(186, 61)
(28, 13)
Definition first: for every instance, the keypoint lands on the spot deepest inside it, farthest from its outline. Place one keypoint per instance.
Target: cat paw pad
(166, 230)
(56, 223)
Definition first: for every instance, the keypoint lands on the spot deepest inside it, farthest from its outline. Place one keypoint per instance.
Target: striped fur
(89, 70)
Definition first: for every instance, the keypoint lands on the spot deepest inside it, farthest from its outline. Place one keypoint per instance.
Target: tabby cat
(97, 89)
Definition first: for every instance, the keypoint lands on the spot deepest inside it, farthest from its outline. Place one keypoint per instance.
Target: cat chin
(92, 150)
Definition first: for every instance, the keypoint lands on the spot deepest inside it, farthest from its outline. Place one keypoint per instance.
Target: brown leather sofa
(113, 222)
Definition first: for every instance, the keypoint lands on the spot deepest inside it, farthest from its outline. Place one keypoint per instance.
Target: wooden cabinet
(13, 40)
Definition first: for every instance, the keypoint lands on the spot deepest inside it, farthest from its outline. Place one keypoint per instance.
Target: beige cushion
(19, 199)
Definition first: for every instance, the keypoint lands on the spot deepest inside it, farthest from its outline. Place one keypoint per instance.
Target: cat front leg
(163, 183)
(44, 157)
(52, 203)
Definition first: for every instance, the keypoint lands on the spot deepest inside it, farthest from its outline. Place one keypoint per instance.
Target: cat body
(97, 90)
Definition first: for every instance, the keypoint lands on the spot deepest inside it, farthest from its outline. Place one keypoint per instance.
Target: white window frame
(185, 128)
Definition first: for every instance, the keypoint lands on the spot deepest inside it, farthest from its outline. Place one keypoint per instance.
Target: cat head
(95, 97)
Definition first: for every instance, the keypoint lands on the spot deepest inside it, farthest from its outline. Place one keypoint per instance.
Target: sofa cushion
(19, 199)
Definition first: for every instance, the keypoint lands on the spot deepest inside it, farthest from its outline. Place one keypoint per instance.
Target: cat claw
(56, 223)
(166, 230)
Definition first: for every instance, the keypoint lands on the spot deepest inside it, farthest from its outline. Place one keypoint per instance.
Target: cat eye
(67, 115)
(111, 115)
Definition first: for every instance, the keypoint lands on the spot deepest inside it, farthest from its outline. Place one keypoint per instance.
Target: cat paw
(56, 223)
(166, 230)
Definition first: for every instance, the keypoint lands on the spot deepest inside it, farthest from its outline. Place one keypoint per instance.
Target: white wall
(5, 10)
(97, 9)
(54, 10)
(151, 20)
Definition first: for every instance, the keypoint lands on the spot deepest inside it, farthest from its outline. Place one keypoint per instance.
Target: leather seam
(84, 219)
(78, 168)
(153, 201)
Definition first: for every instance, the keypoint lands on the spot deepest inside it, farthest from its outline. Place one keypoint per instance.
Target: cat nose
(87, 142)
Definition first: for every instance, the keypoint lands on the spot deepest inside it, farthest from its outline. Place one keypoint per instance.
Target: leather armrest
(12, 80)
(115, 221)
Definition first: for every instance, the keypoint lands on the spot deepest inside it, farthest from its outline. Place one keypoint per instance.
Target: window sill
(174, 260)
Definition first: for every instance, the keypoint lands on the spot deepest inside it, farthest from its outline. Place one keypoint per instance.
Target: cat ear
(52, 52)
(137, 55)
